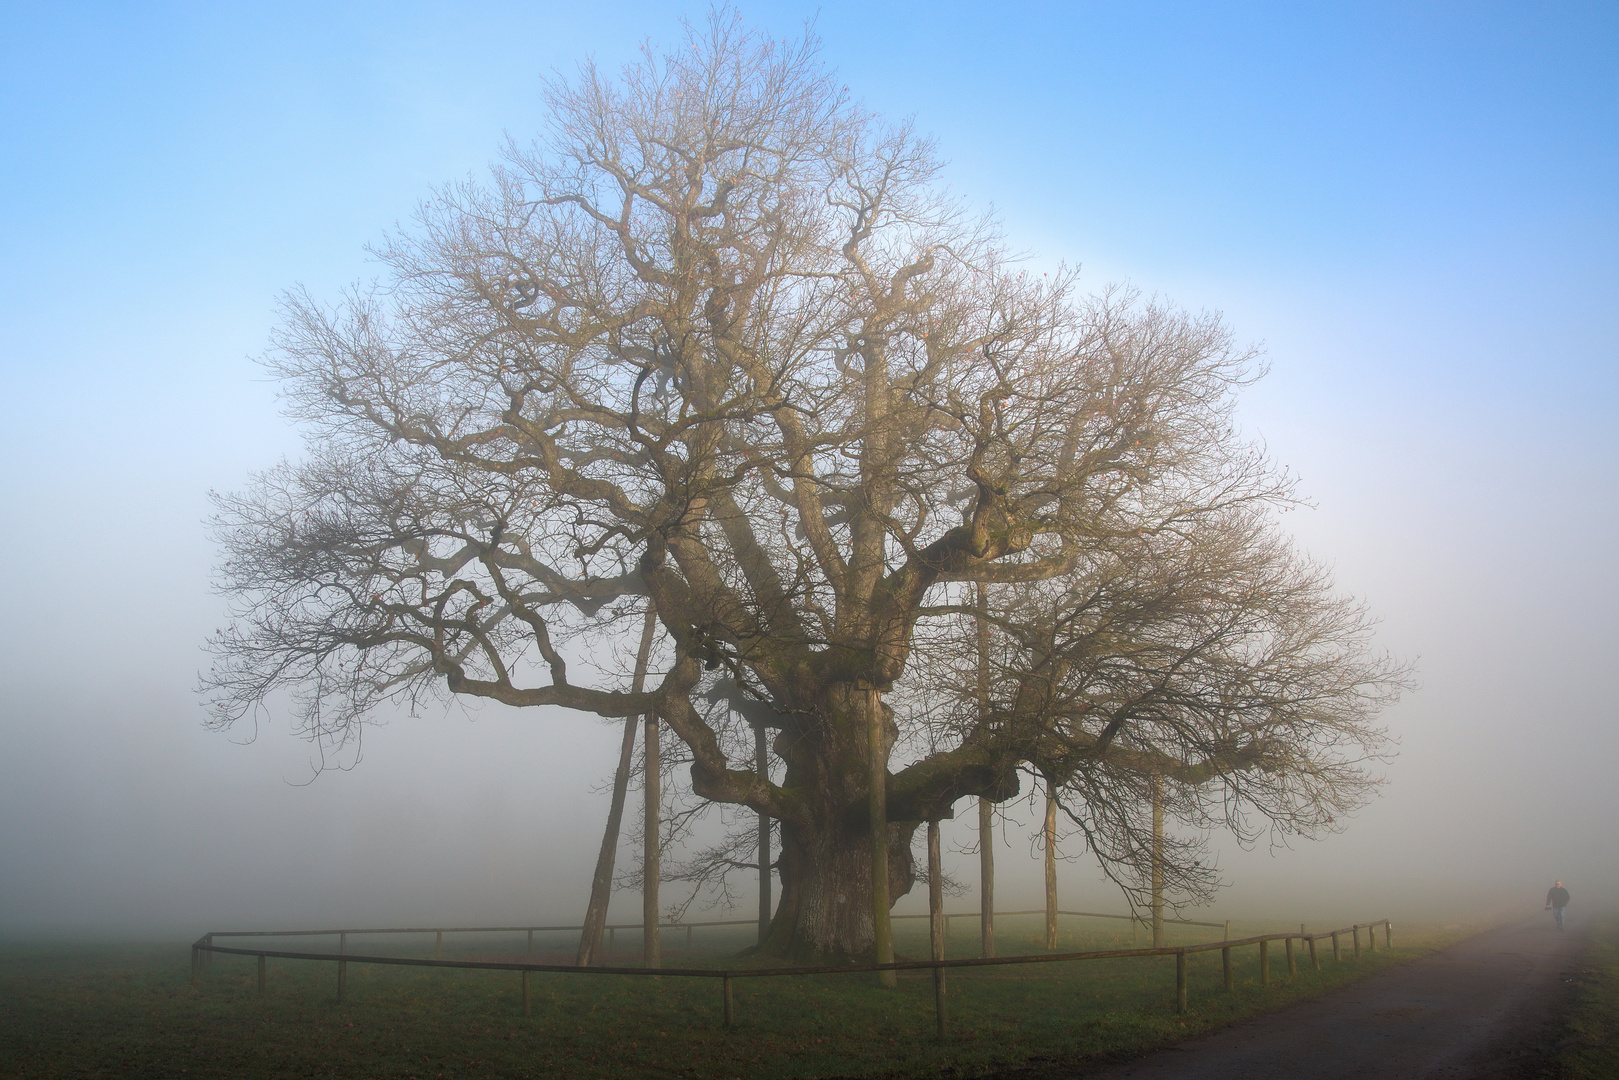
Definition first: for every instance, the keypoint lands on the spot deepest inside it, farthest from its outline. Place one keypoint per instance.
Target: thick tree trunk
(1050, 836)
(827, 909)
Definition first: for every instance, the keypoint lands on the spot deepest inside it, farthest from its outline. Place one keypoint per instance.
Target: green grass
(1593, 1024)
(129, 1011)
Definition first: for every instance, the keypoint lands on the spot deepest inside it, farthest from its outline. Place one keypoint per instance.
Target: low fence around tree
(203, 948)
(1136, 921)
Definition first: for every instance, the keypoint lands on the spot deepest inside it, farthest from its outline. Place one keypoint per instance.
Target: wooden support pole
(1355, 930)
(1336, 956)
(208, 957)
(261, 973)
(1264, 963)
(936, 922)
(727, 991)
(936, 919)
(1180, 982)
(651, 841)
(986, 817)
(877, 798)
(986, 879)
(526, 1009)
(601, 883)
(1225, 968)
(761, 764)
(1388, 934)
(1157, 861)
(1292, 962)
(1049, 836)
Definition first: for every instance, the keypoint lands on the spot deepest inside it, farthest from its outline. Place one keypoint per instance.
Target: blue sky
(1414, 206)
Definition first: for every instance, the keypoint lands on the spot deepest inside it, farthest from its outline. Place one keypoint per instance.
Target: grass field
(128, 1010)
(1593, 1024)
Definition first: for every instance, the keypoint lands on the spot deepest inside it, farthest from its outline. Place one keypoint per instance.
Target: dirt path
(1486, 1007)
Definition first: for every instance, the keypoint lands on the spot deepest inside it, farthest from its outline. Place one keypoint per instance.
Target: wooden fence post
(1355, 930)
(1371, 937)
(525, 994)
(1180, 981)
(1336, 957)
(1388, 934)
(1264, 962)
(261, 973)
(208, 957)
(726, 980)
(1225, 966)
(1292, 964)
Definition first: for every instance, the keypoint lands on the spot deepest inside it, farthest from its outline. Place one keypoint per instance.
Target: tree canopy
(720, 343)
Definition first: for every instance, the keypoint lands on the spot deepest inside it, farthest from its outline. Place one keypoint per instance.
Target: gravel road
(1486, 1007)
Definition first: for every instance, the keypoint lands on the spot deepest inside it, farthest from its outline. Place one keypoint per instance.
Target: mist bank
(123, 819)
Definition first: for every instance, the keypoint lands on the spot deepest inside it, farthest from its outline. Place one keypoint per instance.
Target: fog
(1416, 213)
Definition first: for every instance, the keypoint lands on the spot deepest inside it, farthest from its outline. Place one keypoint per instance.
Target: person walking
(1556, 901)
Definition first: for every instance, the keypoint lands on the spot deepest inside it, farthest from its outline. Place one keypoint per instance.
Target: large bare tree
(720, 341)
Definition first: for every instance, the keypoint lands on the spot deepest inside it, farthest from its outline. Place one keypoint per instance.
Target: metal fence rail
(204, 947)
